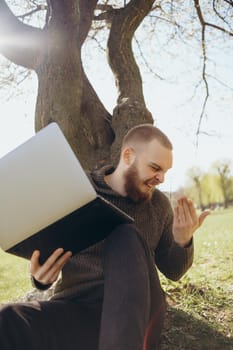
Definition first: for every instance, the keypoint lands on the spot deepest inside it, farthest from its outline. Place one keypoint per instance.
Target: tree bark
(65, 94)
(131, 109)
(59, 72)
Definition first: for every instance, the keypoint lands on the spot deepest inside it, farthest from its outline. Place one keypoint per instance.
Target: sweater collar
(99, 182)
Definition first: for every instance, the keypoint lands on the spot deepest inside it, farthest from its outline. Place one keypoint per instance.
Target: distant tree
(211, 191)
(223, 169)
(195, 176)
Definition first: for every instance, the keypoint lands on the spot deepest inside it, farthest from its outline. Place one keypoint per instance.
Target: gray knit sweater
(153, 218)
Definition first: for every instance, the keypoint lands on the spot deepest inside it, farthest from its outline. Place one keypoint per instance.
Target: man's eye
(155, 168)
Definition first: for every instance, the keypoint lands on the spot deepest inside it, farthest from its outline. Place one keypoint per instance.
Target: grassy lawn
(14, 277)
(200, 311)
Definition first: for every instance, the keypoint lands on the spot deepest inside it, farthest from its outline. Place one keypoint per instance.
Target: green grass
(200, 310)
(201, 303)
(14, 277)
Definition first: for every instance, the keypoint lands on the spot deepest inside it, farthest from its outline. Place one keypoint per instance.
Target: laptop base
(75, 232)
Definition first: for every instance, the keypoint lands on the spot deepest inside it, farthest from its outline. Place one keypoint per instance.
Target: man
(108, 297)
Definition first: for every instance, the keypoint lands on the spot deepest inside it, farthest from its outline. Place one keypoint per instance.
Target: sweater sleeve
(36, 284)
(171, 259)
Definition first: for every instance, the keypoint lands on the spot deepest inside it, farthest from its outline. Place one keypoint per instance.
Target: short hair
(145, 133)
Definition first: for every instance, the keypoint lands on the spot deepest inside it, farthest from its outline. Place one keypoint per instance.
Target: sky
(175, 104)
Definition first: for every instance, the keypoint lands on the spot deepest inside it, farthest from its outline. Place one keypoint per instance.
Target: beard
(132, 186)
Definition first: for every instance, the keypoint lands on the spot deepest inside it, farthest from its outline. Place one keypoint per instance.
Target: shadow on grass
(184, 332)
(181, 330)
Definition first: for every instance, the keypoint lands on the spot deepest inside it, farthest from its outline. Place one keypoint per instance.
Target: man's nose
(160, 177)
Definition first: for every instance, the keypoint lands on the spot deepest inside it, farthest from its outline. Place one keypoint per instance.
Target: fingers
(52, 259)
(54, 272)
(184, 210)
(34, 264)
(176, 215)
(49, 271)
(187, 212)
(186, 221)
(203, 216)
(192, 209)
(193, 214)
(181, 212)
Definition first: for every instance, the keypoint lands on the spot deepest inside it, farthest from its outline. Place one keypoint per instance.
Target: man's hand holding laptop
(48, 272)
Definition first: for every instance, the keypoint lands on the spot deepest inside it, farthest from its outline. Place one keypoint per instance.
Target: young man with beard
(109, 297)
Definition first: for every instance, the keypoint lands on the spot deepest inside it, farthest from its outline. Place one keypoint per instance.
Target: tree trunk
(64, 93)
(131, 109)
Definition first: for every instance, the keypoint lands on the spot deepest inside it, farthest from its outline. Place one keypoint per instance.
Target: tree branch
(230, 2)
(104, 7)
(157, 76)
(131, 108)
(48, 13)
(172, 22)
(204, 23)
(203, 26)
(218, 28)
(92, 37)
(220, 82)
(219, 15)
(86, 10)
(20, 43)
(124, 23)
(37, 9)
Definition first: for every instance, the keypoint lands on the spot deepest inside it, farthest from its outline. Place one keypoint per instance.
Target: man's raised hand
(186, 221)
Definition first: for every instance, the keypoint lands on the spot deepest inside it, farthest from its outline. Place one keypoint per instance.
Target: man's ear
(128, 155)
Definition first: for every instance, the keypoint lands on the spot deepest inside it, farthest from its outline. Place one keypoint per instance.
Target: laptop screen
(41, 181)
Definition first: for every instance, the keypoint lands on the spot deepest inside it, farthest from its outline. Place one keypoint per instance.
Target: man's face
(147, 170)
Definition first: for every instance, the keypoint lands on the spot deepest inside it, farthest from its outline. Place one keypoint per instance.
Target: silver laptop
(47, 200)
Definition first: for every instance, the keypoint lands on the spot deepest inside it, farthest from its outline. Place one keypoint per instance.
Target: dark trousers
(130, 315)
